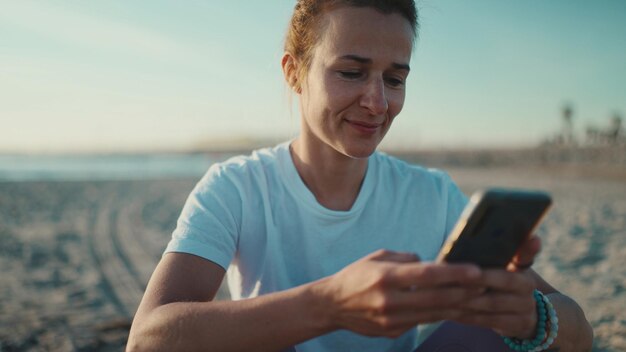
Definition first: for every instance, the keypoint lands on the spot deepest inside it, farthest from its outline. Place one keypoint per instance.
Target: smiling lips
(364, 127)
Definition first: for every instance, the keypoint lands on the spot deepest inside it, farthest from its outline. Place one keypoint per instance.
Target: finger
(500, 303)
(410, 318)
(525, 256)
(392, 256)
(432, 275)
(502, 280)
(431, 316)
(431, 298)
(393, 325)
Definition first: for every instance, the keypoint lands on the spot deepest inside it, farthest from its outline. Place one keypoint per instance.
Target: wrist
(546, 328)
(319, 300)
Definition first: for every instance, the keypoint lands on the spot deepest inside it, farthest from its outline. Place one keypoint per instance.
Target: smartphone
(493, 226)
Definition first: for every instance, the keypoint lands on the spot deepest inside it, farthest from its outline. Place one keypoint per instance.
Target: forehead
(366, 32)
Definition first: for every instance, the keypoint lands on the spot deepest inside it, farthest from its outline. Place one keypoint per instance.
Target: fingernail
(473, 272)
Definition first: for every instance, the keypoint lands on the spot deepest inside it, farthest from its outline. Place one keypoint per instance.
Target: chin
(360, 150)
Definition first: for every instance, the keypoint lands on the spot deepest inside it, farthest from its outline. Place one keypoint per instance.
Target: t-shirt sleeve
(457, 201)
(210, 221)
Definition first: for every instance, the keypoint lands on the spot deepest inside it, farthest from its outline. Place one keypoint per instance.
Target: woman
(318, 234)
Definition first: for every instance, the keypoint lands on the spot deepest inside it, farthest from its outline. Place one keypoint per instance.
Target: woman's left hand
(507, 305)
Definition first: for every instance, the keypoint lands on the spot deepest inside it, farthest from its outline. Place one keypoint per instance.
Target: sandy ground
(75, 256)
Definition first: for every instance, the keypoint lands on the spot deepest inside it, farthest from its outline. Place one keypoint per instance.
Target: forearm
(575, 333)
(270, 323)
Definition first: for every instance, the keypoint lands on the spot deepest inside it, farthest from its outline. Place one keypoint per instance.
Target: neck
(334, 179)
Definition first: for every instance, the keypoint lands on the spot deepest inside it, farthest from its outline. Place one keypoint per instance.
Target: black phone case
(498, 223)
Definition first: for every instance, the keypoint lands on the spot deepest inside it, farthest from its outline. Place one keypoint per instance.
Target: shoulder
(400, 170)
(243, 169)
(260, 158)
(399, 176)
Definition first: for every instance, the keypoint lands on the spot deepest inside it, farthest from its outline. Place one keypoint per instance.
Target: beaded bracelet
(554, 326)
(547, 327)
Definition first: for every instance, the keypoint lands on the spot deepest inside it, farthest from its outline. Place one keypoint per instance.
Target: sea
(16, 168)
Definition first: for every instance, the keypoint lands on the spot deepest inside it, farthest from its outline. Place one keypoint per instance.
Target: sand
(75, 256)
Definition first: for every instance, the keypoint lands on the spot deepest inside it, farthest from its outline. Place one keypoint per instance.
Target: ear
(290, 71)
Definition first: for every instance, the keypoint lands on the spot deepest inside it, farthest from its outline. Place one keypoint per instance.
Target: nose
(373, 98)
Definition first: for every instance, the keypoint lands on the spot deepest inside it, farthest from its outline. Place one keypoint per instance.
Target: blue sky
(146, 75)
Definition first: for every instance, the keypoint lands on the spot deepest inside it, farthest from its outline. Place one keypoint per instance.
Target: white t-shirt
(256, 218)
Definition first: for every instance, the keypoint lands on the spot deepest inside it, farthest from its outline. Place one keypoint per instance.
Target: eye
(394, 82)
(350, 74)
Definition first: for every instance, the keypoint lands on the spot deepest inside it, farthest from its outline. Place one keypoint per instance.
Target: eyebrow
(364, 60)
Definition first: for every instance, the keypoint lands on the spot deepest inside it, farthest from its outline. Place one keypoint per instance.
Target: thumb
(393, 256)
(526, 254)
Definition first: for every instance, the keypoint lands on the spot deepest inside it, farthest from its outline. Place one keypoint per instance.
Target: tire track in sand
(118, 277)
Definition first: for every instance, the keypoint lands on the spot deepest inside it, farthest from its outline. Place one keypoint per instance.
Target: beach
(75, 256)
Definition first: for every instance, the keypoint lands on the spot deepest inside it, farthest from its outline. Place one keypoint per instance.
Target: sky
(124, 76)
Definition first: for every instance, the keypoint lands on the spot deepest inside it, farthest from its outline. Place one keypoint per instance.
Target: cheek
(328, 98)
(396, 103)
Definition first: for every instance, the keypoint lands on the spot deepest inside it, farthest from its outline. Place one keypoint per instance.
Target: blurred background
(110, 111)
(114, 76)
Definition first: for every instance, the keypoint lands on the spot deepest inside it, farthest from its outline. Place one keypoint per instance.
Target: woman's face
(355, 84)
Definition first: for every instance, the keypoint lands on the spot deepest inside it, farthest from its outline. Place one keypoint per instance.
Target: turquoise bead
(545, 315)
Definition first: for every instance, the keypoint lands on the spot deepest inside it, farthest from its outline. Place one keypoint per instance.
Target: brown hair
(302, 34)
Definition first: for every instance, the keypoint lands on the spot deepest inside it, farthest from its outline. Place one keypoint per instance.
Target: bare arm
(508, 306)
(575, 332)
(177, 313)
(383, 294)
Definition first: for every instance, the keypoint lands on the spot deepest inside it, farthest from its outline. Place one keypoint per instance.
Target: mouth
(364, 127)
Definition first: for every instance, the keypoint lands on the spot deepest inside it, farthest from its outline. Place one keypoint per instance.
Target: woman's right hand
(386, 293)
